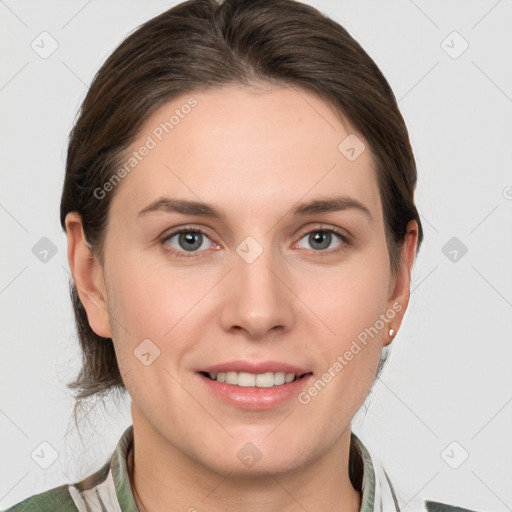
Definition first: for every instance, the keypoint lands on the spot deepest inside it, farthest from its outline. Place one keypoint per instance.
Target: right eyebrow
(187, 207)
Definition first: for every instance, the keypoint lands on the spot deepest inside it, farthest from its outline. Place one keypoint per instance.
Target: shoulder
(105, 486)
(55, 500)
(378, 493)
(435, 506)
(63, 498)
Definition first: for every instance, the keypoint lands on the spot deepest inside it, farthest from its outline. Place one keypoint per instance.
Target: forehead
(251, 148)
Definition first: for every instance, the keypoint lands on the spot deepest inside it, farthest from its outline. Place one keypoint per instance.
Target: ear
(399, 288)
(88, 276)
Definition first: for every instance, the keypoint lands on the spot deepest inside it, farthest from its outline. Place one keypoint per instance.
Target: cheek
(349, 299)
(351, 303)
(152, 301)
(146, 297)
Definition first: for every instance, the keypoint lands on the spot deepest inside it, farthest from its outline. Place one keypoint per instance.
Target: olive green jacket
(113, 493)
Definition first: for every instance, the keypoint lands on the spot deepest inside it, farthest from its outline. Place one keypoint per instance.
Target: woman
(239, 207)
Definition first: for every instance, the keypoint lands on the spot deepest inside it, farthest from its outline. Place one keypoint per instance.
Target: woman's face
(260, 286)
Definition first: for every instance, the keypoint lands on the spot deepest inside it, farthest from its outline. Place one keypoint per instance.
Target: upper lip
(254, 367)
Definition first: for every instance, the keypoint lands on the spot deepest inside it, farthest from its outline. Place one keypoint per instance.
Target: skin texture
(254, 153)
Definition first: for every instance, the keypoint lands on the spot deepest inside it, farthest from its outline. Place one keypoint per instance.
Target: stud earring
(392, 332)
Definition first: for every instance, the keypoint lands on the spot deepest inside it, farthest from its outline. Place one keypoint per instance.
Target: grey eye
(187, 240)
(320, 239)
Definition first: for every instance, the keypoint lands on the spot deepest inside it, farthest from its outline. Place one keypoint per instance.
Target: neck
(165, 479)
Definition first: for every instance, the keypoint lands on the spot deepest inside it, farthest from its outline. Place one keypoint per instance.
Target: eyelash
(190, 229)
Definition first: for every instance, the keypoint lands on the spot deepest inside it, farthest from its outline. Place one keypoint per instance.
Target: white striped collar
(114, 493)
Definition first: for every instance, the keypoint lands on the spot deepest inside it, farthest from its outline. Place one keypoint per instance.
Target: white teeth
(232, 378)
(265, 380)
(260, 380)
(246, 380)
(280, 378)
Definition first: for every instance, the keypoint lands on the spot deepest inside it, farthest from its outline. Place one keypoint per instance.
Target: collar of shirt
(114, 492)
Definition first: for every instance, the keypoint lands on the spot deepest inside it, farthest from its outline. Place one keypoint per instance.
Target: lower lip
(254, 397)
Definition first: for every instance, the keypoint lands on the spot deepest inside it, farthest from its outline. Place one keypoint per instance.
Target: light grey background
(449, 377)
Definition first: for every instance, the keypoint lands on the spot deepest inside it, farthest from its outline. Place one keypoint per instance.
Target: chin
(247, 461)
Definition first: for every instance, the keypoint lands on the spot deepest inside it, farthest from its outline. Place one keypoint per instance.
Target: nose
(257, 297)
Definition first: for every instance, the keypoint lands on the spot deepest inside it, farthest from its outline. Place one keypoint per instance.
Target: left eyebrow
(332, 204)
(188, 207)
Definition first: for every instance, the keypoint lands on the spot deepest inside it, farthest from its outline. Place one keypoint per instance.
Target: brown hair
(202, 43)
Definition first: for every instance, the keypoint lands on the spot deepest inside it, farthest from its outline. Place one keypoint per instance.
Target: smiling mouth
(259, 380)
